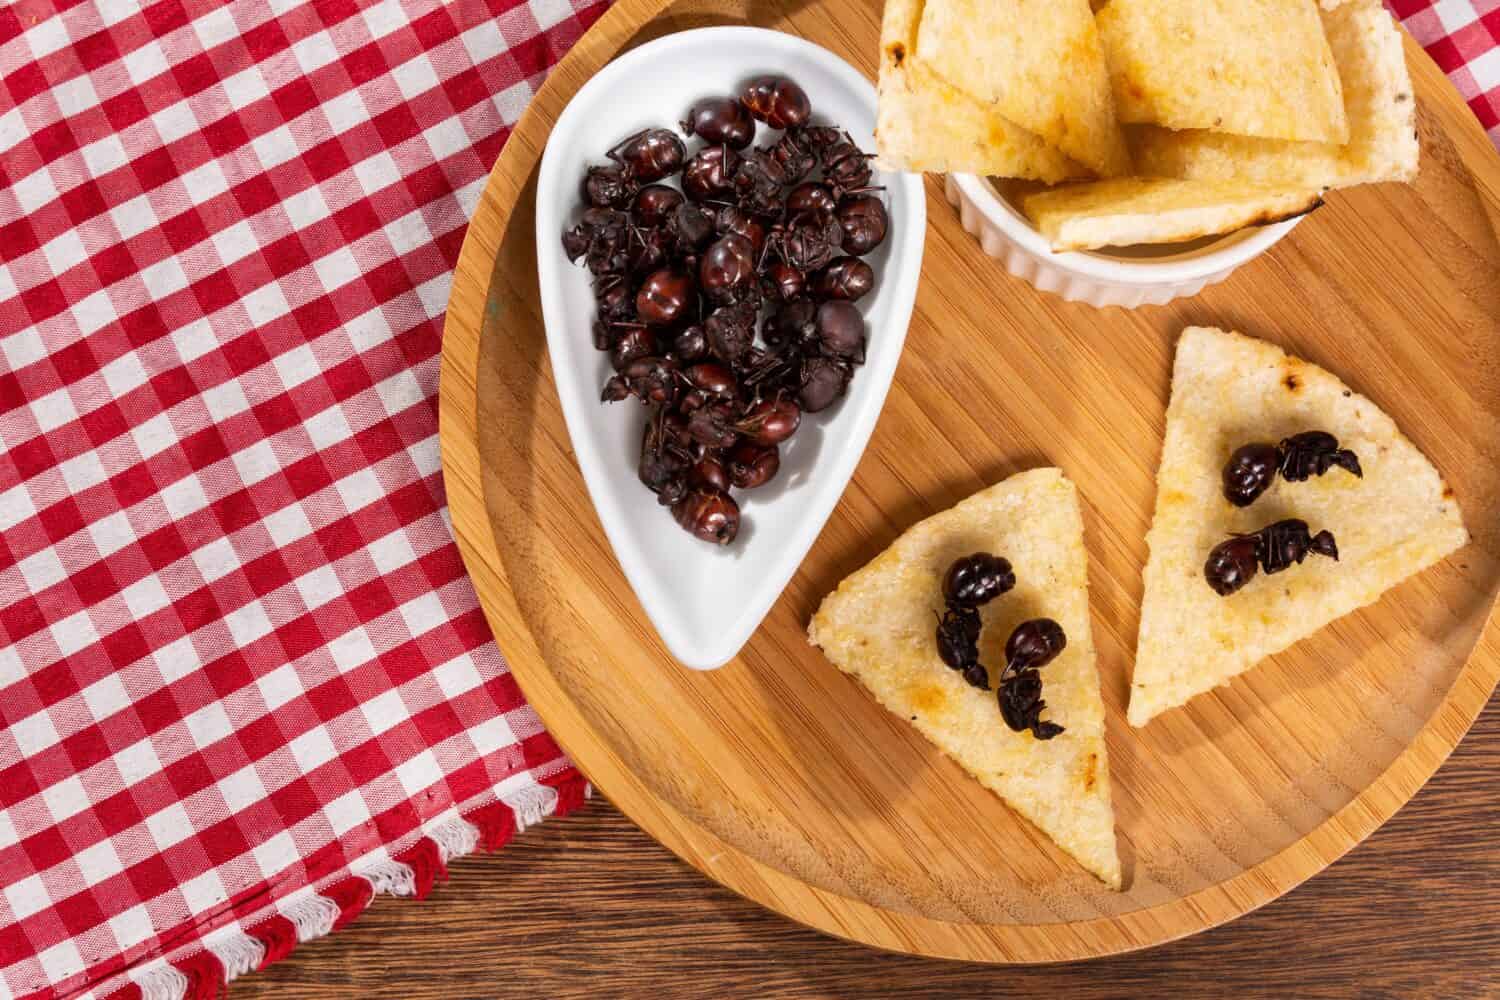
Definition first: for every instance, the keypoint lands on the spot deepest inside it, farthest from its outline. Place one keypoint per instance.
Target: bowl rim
(1223, 255)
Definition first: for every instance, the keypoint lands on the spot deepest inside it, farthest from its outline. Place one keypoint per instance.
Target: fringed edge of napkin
(202, 970)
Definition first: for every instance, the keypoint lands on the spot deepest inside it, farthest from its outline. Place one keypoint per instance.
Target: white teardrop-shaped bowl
(706, 601)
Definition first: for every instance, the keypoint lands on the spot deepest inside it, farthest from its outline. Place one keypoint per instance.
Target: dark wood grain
(589, 906)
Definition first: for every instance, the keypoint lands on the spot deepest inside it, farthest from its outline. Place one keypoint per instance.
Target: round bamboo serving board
(780, 778)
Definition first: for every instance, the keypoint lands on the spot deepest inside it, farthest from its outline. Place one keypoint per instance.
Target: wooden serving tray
(780, 778)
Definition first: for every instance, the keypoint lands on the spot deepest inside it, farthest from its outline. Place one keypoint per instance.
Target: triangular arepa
(1378, 103)
(925, 123)
(1129, 211)
(1037, 63)
(879, 626)
(1229, 390)
(1248, 67)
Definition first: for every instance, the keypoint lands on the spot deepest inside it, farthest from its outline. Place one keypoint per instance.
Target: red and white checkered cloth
(244, 683)
(1463, 38)
(239, 657)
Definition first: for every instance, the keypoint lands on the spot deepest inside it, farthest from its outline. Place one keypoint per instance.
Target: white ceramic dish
(705, 601)
(1129, 278)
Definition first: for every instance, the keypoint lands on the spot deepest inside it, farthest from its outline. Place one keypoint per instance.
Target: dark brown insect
(731, 331)
(712, 379)
(646, 250)
(599, 237)
(777, 101)
(710, 173)
(1021, 705)
(771, 421)
(1313, 453)
(693, 225)
(713, 425)
(808, 246)
(958, 637)
(710, 514)
(654, 204)
(1286, 543)
(709, 473)
(651, 380)
(865, 223)
(634, 342)
(751, 465)
(793, 325)
(847, 278)
(649, 155)
(721, 120)
(845, 166)
(975, 580)
(793, 155)
(673, 432)
(1250, 472)
(759, 185)
(615, 298)
(662, 466)
(732, 219)
(1234, 562)
(1032, 645)
(823, 382)
(727, 266)
(841, 331)
(664, 297)
(969, 583)
(783, 282)
(690, 344)
(1253, 467)
(819, 137)
(607, 187)
(810, 201)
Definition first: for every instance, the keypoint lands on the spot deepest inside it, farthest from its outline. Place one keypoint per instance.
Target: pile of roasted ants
(681, 279)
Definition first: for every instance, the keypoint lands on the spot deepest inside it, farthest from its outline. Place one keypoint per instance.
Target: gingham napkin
(1463, 38)
(244, 683)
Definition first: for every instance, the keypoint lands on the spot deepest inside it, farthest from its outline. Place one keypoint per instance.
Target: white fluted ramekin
(1127, 279)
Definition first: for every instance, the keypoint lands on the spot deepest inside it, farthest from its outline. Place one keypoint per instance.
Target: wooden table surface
(589, 906)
